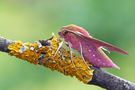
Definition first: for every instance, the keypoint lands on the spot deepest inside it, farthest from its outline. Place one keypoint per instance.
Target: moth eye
(65, 32)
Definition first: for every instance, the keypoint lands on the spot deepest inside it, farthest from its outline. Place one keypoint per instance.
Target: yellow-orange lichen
(48, 56)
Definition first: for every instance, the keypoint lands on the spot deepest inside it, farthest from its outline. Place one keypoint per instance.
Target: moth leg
(81, 48)
(71, 55)
(60, 45)
(70, 49)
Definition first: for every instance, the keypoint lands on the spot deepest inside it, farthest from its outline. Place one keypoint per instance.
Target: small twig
(100, 78)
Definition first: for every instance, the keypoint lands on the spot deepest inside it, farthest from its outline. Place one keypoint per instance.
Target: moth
(91, 49)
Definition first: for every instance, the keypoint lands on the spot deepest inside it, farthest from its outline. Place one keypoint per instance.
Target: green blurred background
(29, 20)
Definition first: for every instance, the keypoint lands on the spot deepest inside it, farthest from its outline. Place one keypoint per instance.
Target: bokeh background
(29, 20)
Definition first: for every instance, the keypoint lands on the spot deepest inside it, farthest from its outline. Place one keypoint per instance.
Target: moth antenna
(60, 45)
(81, 48)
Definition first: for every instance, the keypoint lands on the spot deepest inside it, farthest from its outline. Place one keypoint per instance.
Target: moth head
(63, 33)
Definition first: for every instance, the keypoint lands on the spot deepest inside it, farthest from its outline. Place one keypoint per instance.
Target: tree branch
(100, 78)
(4, 44)
(110, 82)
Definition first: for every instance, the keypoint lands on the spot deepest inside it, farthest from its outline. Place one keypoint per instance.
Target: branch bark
(110, 82)
(100, 78)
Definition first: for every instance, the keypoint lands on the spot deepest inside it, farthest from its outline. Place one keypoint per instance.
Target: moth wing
(96, 53)
(108, 46)
(100, 43)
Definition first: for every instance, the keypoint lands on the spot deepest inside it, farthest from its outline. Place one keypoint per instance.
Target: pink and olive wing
(91, 52)
(100, 43)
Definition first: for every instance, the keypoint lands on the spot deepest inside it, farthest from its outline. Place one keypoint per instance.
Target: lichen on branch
(46, 53)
